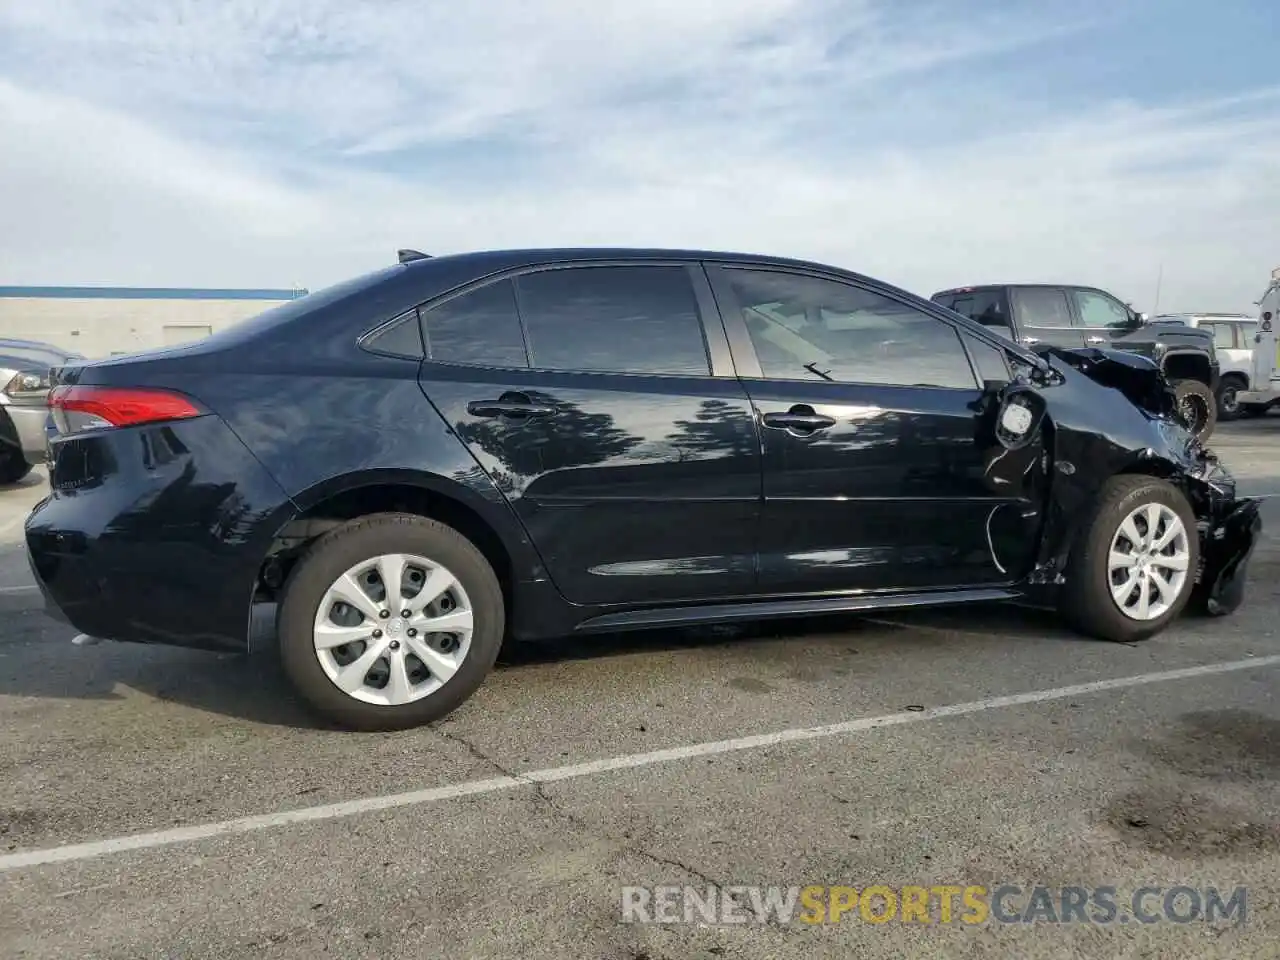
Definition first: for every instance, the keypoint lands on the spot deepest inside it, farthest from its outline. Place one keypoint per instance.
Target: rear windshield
(292, 309)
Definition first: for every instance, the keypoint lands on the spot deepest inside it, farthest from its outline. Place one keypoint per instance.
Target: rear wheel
(1196, 407)
(390, 621)
(1229, 407)
(1132, 572)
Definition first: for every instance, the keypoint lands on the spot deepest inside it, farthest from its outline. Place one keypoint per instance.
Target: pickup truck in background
(1058, 315)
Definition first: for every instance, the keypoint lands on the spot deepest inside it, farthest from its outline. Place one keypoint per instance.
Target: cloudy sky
(282, 142)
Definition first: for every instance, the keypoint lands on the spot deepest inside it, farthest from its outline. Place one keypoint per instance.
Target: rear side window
(479, 327)
(641, 320)
(1043, 307)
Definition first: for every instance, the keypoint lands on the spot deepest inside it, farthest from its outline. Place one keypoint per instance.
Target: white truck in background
(1233, 335)
(1264, 384)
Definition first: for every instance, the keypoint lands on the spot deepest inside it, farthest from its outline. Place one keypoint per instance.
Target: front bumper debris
(1225, 550)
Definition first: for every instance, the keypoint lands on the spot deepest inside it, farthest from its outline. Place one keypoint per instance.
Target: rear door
(602, 401)
(877, 466)
(1044, 317)
(988, 306)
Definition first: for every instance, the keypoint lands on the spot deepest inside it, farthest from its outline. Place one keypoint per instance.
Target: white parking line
(32, 588)
(267, 821)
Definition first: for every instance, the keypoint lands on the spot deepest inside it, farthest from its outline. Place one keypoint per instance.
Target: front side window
(624, 319)
(1097, 310)
(810, 328)
(479, 327)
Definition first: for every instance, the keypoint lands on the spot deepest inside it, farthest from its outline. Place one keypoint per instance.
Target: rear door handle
(799, 419)
(514, 405)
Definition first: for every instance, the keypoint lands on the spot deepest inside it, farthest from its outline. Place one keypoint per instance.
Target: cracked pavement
(1167, 783)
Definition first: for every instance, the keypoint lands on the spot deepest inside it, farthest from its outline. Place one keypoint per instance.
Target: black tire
(13, 467)
(1086, 602)
(1194, 395)
(1229, 408)
(365, 538)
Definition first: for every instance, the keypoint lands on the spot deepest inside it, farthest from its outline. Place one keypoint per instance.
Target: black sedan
(417, 463)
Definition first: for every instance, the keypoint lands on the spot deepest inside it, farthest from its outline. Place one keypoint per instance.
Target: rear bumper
(155, 534)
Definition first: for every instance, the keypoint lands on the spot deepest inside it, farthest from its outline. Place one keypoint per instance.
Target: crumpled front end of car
(1229, 530)
(1132, 426)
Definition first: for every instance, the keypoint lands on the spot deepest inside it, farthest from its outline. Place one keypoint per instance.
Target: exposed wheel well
(1235, 377)
(1187, 366)
(379, 498)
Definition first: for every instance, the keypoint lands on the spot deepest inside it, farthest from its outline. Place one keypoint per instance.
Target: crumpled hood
(1137, 377)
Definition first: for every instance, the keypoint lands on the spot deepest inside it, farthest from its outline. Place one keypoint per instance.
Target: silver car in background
(24, 411)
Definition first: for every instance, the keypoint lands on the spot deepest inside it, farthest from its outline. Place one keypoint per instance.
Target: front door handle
(516, 406)
(1093, 340)
(799, 419)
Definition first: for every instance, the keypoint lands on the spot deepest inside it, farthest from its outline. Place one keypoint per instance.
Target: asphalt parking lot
(893, 750)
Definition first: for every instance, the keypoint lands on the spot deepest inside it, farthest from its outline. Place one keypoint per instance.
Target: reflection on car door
(874, 462)
(593, 406)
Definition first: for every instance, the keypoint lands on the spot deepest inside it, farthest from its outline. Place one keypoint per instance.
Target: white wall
(98, 327)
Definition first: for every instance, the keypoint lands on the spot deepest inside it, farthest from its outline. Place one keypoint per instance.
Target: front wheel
(1132, 572)
(390, 621)
(1196, 407)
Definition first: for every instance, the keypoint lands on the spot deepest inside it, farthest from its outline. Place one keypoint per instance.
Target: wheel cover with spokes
(393, 646)
(1147, 565)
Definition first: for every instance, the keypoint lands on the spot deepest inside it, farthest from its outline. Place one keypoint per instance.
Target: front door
(593, 406)
(1106, 322)
(877, 471)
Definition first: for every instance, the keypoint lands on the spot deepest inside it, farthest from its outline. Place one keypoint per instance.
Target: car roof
(520, 256)
(981, 287)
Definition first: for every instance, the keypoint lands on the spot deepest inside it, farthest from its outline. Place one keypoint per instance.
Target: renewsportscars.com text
(969, 904)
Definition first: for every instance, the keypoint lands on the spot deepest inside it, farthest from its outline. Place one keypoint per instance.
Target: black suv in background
(1056, 315)
(418, 462)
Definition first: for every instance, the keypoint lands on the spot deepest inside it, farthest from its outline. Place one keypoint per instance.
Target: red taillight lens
(77, 408)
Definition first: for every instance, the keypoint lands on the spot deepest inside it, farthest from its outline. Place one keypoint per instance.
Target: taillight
(78, 408)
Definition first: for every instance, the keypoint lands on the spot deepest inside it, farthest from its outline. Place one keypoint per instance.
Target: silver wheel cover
(394, 646)
(1147, 565)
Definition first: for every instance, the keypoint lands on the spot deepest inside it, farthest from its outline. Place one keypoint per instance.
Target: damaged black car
(414, 466)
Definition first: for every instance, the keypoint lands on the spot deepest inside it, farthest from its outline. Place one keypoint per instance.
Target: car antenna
(407, 256)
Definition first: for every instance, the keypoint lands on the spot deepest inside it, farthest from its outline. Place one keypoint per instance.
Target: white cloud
(252, 143)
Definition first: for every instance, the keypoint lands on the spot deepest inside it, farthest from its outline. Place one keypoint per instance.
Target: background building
(101, 321)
